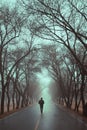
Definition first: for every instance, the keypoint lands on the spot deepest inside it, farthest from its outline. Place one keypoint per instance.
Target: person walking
(41, 103)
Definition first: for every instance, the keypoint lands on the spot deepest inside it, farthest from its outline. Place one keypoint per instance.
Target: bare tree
(10, 33)
(10, 28)
(66, 25)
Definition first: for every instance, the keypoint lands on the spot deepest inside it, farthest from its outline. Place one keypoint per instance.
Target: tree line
(62, 49)
(63, 24)
(18, 60)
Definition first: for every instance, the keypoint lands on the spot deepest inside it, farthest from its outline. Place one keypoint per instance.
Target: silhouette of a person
(41, 103)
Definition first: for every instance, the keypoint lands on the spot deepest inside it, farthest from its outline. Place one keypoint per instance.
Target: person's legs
(41, 109)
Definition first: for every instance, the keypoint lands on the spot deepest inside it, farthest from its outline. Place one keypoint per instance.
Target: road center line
(37, 123)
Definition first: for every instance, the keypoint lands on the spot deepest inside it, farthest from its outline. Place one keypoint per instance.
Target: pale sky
(8, 2)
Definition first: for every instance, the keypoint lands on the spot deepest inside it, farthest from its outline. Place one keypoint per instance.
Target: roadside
(11, 112)
(76, 115)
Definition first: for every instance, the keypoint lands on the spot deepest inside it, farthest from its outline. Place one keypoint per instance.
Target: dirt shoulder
(76, 115)
(11, 112)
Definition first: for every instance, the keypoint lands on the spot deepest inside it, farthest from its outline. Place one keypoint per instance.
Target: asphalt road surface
(53, 118)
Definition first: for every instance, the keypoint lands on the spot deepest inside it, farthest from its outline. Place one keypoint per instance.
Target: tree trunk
(8, 103)
(22, 102)
(13, 101)
(18, 102)
(82, 92)
(13, 95)
(2, 100)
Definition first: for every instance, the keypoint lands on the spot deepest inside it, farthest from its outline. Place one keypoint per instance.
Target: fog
(44, 82)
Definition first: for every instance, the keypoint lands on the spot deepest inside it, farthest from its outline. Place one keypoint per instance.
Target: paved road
(53, 118)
